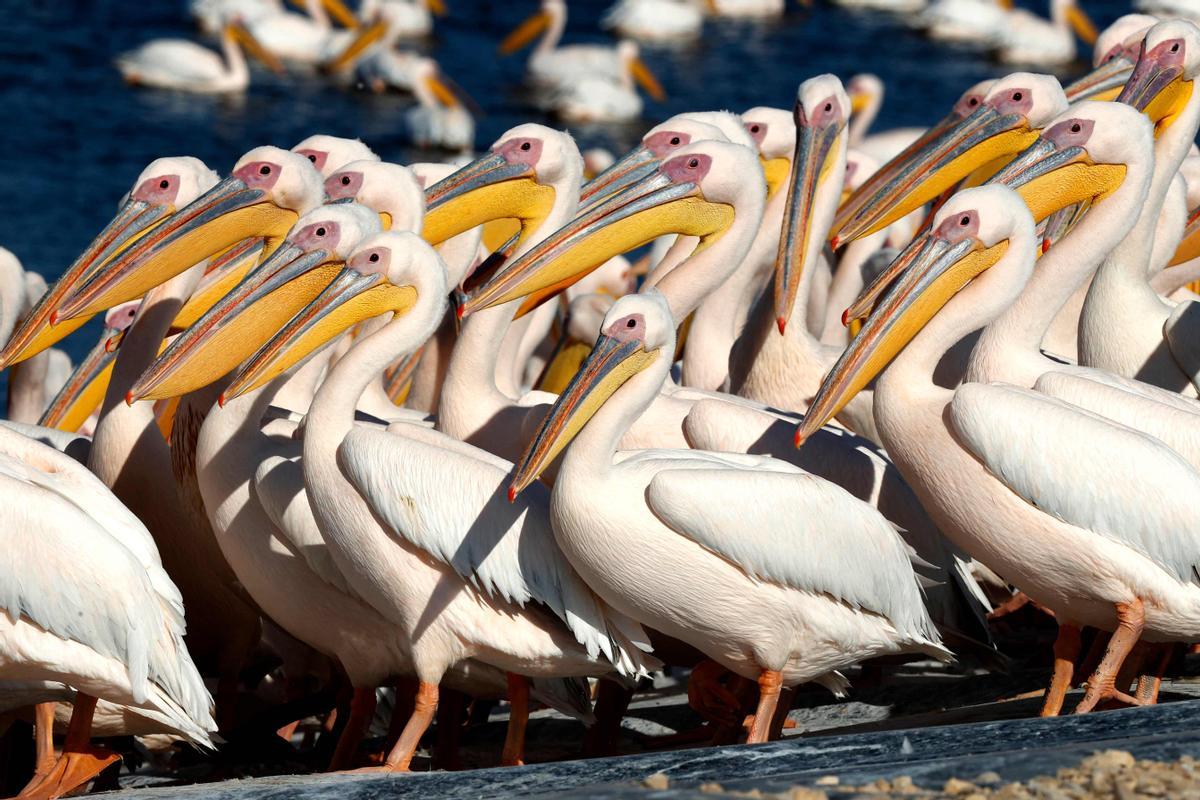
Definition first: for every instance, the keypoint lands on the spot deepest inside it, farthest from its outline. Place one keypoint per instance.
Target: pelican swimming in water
(647, 529)
(308, 38)
(1028, 39)
(439, 120)
(1003, 470)
(185, 66)
(977, 22)
(598, 99)
(655, 20)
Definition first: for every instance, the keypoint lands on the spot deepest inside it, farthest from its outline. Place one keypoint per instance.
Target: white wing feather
(797, 530)
(455, 508)
(1082, 468)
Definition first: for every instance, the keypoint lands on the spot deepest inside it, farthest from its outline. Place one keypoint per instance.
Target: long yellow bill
(252, 46)
(524, 33)
(938, 269)
(217, 220)
(1189, 245)
(488, 189)
(1105, 82)
(655, 206)
(358, 47)
(224, 272)
(646, 79)
(82, 394)
(229, 332)
(1157, 86)
(612, 362)
(350, 298)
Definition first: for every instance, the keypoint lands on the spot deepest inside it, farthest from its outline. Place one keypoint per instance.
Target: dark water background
(73, 137)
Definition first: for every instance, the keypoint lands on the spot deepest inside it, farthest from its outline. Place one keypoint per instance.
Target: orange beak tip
(1045, 245)
(461, 311)
(845, 318)
(782, 323)
(129, 399)
(54, 317)
(512, 494)
(221, 400)
(835, 242)
(800, 437)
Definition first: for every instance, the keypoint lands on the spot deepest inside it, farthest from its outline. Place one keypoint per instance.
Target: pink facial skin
(258, 174)
(158, 190)
(964, 225)
(687, 168)
(1071, 132)
(968, 103)
(665, 142)
(317, 157)
(628, 329)
(520, 151)
(828, 112)
(319, 235)
(1013, 101)
(757, 131)
(372, 261)
(341, 185)
(121, 317)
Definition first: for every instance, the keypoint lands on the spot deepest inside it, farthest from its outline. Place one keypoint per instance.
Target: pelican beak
(1082, 24)
(1157, 86)
(984, 137)
(937, 270)
(1189, 246)
(338, 10)
(41, 328)
(224, 272)
(628, 170)
(864, 304)
(776, 172)
(487, 189)
(816, 153)
(1060, 223)
(646, 79)
(213, 222)
(858, 102)
(1105, 82)
(350, 298)
(362, 42)
(611, 363)
(1050, 178)
(229, 332)
(252, 46)
(525, 33)
(653, 207)
(84, 390)
(398, 380)
(437, 8)
(441, 91)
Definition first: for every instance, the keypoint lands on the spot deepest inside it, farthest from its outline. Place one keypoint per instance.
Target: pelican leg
(449, 730)
(518, 718)
(1066, 650)
(770, 682)
(612, 701)
(1149, 683)
(708, 697)
(426, 702)
(43, 723)
(1131, 617)
(79, 762)
(780, 720)
(362, 709)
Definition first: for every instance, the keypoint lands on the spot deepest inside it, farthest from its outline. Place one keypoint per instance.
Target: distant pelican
(655, 20)
(188, 67)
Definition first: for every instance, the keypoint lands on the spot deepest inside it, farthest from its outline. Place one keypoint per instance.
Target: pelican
(650, 533)
(978, 22)
(1113, 57)
(305, 38)
(77, 405)
(655, 20)
(554, 67)
(745, 9)
(439, 120)
(185, 66)
(406, 19)
(351, 493)
(1001, 468)
(1125, 327)
(598, 99)
(897, 6)
(111, 628)
(211, 15)
(1031, 40)
(1168, 9)
(1000, 125)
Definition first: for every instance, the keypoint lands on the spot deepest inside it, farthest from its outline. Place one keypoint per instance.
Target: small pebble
(804, 793)
(828, 780)
(987, 777)
(657, 781)
(959, 786)
(711, 788)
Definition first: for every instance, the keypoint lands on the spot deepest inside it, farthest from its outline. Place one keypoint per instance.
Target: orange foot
(72, 770)
(1103, 693)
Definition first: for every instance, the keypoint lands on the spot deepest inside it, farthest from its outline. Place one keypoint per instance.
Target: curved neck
(861, 122)
(235, 59)
(554, 30)
(594, 447)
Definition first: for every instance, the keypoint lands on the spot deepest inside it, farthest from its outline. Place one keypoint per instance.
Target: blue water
(75, 136)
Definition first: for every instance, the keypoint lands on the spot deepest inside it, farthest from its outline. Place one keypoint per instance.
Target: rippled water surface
(74, 136)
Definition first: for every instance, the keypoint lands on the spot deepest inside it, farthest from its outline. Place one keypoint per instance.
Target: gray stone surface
(1014, 748)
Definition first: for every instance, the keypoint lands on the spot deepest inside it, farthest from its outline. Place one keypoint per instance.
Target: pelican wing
(1082, 469)
(179, 59)
(279, 487)
(1182, 333)
(792, 528)
(454, 507)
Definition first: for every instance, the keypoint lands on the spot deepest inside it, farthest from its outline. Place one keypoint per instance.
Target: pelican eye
(525, 145)
(320, 231)
(754, 128)
(311, 158)
(1175, 47)
(631, 323)
(828, 107)
(965, 221)
(693, 162)
(373, 257)
(1017, 96)
(974, 101)
(164, 184)
(345, 180)
(265, 170)
(1075, 128)
(674, 140)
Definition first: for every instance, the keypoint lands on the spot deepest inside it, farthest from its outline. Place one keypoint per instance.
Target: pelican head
(638, 333)
(293, 274)
(1162, 81)
(388, 272)
(268, 191)
(774, 134)
(390, 189)
(818, 173)
(974, 231)
(84, 390)
(658, 143)
(330, 153)
(1113, 57)
(1081, 157)
(865, 92)
(165, 185)
(693, 193)
(521, 178)
(1007, 120)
